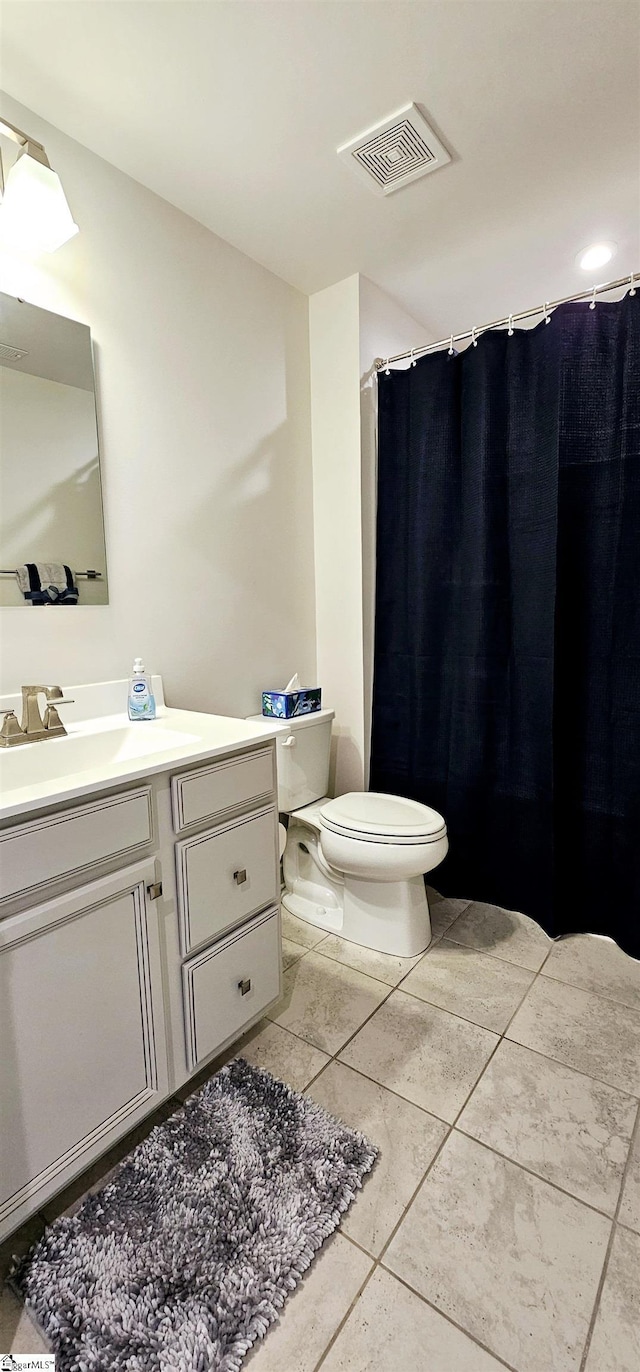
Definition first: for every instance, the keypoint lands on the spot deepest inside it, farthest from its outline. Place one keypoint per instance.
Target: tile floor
(499, 1075)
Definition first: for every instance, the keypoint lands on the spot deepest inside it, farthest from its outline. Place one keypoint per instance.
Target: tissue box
(290, 704)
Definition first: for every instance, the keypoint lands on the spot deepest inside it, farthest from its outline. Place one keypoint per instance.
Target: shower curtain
(507, 637)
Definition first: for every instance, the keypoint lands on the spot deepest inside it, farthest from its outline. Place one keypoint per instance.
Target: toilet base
(388, 916)
(329, 918)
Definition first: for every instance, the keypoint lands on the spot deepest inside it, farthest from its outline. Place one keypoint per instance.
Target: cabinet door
(83, 1050)
(224, 876)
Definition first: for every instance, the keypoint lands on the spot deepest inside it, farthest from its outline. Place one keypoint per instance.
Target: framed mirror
(50, 491)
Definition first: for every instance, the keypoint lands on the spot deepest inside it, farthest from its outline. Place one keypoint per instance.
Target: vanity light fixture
(595, 256)
(34, 213)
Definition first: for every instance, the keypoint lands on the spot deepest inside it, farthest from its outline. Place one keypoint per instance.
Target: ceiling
(233, 111)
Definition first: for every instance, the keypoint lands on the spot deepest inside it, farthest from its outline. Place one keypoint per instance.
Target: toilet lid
(382, 817)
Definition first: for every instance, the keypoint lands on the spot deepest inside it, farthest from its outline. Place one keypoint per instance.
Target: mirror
(50, 494)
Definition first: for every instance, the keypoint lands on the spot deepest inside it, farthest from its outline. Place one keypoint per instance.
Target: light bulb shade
(34, 214)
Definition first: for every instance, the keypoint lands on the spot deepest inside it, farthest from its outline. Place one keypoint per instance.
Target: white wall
(203, 397)
(350, 325)
(335, 429)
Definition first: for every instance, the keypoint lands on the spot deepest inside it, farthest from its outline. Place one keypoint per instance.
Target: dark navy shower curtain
(507, 641)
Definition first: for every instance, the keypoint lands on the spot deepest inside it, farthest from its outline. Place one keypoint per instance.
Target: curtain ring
(386, 370)
(545, 311)
(510, 330)
(632, 283)
(413, 360)
(473, 337)
(451, 348)
(593, 299)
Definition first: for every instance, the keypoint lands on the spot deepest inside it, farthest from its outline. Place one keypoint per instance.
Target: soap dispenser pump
(141, 703)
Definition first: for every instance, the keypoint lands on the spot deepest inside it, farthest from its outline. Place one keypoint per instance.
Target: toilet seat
(373, 817)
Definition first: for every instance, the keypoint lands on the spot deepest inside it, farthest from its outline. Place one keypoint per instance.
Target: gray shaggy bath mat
(187, 1256)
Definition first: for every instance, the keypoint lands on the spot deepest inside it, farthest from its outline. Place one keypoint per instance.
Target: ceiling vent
(395, 152)
(10, 354)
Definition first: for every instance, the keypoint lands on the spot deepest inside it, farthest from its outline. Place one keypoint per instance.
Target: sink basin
(109, 750)
(54, 758)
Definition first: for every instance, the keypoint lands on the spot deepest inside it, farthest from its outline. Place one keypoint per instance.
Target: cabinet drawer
(229, 985)
(211, 791)
(71, 841)
(224, 876)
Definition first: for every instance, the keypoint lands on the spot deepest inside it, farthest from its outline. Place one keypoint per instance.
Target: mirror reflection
(52, 545)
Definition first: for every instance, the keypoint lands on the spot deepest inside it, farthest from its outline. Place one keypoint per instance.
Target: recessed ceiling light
(595, 256)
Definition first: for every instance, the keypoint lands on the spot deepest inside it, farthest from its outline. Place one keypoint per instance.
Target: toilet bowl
(353, 866)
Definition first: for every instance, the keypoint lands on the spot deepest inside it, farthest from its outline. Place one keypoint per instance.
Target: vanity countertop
(110, 749)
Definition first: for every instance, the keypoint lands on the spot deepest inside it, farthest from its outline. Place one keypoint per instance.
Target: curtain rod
(382, 363)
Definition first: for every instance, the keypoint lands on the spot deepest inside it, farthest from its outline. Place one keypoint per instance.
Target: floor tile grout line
(393, 986)
(446, 935)
(569, 1067)
(588, 991)
(501, 1036)
(496, 1046)
(333, 1057)
(390, 991)
(614, 1226)
(381, 1086)
(379, 1261)
(425, 1300)
(579, 1200)
(488, 953)
(624, 1224)
(378, 1264)
(338, 1330)
(488, 1028)
(560, 1062)
(449, 1127)
(414, 1194)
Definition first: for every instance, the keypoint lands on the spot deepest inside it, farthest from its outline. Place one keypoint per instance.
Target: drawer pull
(240, 876)
(244, 986)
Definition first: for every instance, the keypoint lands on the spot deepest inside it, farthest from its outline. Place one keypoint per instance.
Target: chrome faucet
(32, 727)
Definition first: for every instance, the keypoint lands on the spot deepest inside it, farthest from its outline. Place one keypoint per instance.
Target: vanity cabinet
(83, 1048)
(140, 937)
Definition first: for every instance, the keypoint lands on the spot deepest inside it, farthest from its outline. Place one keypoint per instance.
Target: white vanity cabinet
(141, 935)
(83, 1048)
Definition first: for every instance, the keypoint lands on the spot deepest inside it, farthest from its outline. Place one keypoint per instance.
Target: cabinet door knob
(244, 986)
(240, 876)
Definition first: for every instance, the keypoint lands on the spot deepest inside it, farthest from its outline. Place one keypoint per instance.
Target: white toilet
(354, 865)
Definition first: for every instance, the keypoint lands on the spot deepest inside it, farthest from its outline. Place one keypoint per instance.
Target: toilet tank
(303, 761)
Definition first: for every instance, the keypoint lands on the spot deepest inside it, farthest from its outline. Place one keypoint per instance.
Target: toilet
(353, 866)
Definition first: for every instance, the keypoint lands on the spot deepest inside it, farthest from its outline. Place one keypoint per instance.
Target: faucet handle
(10, 733)
(55, 696)
(52, 721)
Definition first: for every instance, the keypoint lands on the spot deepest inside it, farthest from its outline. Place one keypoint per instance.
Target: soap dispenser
(142, 703)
